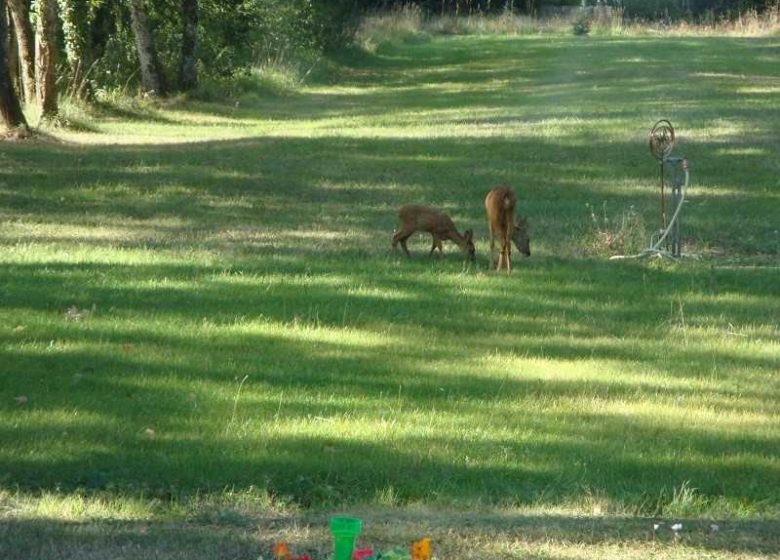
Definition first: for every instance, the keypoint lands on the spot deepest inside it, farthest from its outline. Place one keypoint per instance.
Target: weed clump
(612, 236)
(402, 24)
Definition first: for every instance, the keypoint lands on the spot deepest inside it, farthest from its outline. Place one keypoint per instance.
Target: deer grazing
(500, 204)
(422, 218)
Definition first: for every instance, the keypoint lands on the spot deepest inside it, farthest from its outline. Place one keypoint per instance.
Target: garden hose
(654, 250)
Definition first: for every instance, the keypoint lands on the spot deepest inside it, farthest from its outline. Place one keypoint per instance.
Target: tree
(76, 33)
(26, 46)
(152, 77)
(12, 56)
(188, 70)
(10, 108)
(46, 58)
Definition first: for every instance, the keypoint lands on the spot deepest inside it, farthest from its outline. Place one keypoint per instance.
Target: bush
(581, 23)
(233, 38)
(335, 22)
(624, 235)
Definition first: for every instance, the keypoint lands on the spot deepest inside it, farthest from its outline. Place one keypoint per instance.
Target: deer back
(424, 218)
(500, 205)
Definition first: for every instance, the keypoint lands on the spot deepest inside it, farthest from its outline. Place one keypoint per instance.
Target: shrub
(581, 23)
(607, 237)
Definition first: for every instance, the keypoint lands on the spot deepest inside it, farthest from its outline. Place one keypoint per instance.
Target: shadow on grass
(180, 194)
(133, 112)
(467, 536)
(128, 370)
(562, 76)
(301, 294)
(314, 350)
(120, 540)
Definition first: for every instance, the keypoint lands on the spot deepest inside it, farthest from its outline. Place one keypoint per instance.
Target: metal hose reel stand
(673, 171)
(676, 169)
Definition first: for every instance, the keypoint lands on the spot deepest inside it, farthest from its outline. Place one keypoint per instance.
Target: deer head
(520, 237)
(468, 247)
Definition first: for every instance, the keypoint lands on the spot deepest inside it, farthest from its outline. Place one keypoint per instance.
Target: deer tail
(509, 211)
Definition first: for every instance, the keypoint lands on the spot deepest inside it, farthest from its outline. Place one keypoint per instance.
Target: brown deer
(500, 204)
(422, 218)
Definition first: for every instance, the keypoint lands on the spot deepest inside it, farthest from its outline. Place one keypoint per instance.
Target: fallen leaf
(73, 313)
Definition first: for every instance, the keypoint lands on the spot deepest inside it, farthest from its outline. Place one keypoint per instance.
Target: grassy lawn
(206, 343)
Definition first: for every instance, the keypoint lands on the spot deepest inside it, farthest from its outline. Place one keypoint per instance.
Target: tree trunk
(76, 31)
(152, 79)
(188, 72)
(10, 110)
(26, 43)
(46, 59)
(12, 57)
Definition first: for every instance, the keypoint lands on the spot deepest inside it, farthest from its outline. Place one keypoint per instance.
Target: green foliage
(75, 16)
(335, 22)
(635, 8)
(234, 36)
(116, 68)
(237, 35)
(582, 23)
(466, 7)
(677, 9)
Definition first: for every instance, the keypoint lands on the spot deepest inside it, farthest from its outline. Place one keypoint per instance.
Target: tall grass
(743, 24)
(408, 23)
(402, 23)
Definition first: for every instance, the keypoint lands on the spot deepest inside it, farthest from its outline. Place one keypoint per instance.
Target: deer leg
(436, 242)
(403, 245)
(503, 258)
(492, 244)
(508, 257)
(402, 236)
(438, 239)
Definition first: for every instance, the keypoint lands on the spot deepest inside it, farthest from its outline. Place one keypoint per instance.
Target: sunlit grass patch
(74, 507)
